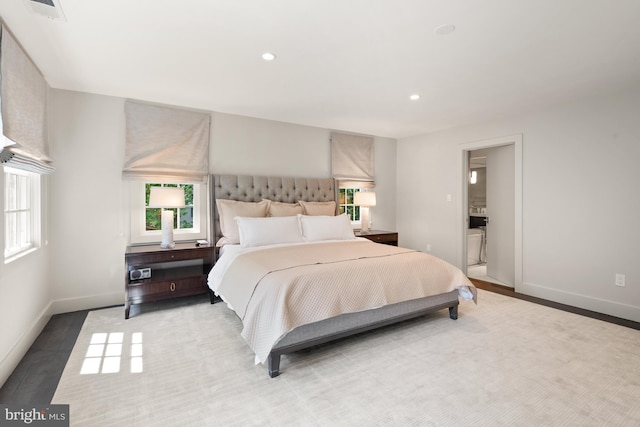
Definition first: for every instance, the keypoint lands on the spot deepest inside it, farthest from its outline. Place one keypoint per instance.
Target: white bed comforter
(274, 289)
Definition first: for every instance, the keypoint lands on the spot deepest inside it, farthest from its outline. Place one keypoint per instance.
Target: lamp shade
(365, 198)
(166, 197)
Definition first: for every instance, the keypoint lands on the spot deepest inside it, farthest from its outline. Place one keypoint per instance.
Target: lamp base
(364, 219)
(167, 230)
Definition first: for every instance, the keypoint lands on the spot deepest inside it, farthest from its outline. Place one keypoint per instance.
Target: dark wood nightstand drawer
(385, 237)
(169, 255)
(150, 291)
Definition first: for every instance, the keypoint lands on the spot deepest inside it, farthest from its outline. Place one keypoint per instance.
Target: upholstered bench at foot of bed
(342, 326)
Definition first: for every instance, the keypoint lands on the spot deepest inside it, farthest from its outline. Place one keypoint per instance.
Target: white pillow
(268, 231)
(318, 208)
(321, 227)
(229, 209)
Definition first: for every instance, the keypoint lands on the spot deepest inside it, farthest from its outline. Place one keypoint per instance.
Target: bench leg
(453, 312)
(274, 365)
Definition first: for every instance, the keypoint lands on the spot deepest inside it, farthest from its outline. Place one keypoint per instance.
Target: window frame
(138, 232)
(33, 241)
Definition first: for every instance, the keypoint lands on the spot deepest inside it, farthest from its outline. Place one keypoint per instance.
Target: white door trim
(464, 148)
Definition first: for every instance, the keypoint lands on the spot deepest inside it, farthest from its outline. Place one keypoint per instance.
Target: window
(345, 203)
(189, 222)
(21, 212)
(182, 218)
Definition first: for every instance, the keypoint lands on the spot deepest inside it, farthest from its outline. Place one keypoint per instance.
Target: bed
(273, 277)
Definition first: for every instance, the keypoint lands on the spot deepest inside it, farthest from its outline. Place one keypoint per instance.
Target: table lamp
(364, 199)
(167, 198)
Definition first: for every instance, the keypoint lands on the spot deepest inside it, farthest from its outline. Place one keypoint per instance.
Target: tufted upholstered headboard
(249, 188)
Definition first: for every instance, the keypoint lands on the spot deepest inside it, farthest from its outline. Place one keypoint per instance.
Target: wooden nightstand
(176, 272)
(379, 236)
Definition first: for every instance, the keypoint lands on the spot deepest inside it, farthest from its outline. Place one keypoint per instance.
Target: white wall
(247, 146)
(383, 215)
(89, 217)
(25, 296)
(87, 230)
(580, 203)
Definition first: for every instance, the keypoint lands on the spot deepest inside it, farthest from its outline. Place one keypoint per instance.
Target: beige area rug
(504, 362)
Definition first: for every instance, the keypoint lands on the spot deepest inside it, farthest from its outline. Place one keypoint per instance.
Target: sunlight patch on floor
(105, 352)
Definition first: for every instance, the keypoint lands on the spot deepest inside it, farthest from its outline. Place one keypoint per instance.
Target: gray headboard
(249, 188)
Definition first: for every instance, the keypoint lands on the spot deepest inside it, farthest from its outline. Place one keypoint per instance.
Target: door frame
(464, 149)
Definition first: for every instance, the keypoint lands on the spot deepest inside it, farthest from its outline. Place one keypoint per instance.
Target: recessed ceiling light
(268, 56)
(414, 97)
(444, 29)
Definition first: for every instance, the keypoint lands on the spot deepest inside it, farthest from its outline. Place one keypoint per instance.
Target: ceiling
(346, 65)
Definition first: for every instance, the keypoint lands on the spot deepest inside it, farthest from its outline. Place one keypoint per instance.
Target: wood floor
(36, 378)
(506, 290)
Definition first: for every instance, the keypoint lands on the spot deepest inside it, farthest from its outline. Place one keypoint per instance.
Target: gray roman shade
(352, 161)
(166, 144)
(23, 99)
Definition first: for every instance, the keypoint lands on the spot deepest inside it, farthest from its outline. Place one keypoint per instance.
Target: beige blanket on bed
(277, 289)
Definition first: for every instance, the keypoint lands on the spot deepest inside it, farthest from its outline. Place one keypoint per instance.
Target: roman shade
(167, 144)
(23, 99)
(352, 161)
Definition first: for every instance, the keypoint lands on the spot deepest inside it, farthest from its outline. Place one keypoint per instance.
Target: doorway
(491, 214)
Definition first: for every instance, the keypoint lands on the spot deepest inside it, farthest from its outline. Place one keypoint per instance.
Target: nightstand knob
(172, 287)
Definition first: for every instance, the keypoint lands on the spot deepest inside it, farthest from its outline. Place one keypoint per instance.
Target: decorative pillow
(318, 208)
(321, 227)
(269, 231)
(284, 209)
(229, 209)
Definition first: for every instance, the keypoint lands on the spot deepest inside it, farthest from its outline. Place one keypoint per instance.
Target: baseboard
(69, 305)
(599, 305)
(13, 357)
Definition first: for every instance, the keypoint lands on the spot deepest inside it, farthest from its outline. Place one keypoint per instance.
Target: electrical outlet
(428, 247)
(620, 280)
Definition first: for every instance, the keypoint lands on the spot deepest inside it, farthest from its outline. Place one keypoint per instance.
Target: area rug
(504, 362)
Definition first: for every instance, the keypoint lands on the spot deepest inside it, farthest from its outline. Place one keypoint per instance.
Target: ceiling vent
(48, 8)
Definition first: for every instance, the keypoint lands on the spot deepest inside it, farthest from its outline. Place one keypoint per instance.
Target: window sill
(13, 257)
(156, 237)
